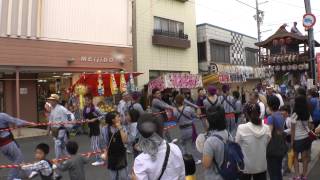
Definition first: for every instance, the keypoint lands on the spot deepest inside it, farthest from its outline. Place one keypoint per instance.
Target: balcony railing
(170, 39)
(170, 34)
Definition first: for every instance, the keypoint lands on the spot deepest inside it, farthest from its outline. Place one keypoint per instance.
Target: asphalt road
(100, 173)
(92, 173)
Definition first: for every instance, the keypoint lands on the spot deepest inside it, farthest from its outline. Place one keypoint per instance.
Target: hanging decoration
(288, 40)
(81, 90)
(131, 87)
(100, 85)
(275, 42)
(113, 85)
(123, 84)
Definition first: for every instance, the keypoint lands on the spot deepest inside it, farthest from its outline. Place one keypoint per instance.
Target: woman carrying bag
(300, 139)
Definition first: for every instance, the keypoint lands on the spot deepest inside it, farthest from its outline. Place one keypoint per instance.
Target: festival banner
(123, 84)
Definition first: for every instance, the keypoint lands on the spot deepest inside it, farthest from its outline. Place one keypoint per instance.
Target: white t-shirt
(262, 109)
(302, 129)
(59, 114)
(280, 99)
(146, 169)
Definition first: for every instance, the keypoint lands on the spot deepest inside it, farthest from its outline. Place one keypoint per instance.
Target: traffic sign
(309, 20)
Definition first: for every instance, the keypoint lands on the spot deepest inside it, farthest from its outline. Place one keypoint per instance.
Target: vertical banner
(318, 67)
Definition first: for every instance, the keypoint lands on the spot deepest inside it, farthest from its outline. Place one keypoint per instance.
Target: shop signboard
(23, 91)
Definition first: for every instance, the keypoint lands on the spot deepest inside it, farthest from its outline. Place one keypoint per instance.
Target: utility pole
(259, 20)
(311, 43)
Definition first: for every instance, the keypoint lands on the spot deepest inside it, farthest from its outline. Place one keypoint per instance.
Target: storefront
(31, 70)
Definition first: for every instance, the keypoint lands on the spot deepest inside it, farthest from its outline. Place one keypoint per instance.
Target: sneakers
(98, 163)
(33, 174)
(174, 141)
(198, 162)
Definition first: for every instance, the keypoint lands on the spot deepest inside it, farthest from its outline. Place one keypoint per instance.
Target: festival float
(104, 85)
(287, 55)
(234, 74)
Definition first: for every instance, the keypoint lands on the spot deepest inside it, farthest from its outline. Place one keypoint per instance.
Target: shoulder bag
(165, 163)
(277, 146)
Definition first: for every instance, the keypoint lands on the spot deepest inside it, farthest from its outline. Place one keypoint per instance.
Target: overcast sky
(235, 16)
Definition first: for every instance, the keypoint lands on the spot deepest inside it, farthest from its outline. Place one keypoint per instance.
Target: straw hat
(54, 97)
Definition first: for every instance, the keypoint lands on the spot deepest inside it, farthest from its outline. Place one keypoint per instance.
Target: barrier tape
(64, 123)
(12, 166)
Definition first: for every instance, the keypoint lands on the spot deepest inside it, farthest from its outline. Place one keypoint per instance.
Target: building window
(251, 57)
(220, 53)
(202, 52)
(169, 27)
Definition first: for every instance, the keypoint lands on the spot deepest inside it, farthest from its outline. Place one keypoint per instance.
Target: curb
(29, 133)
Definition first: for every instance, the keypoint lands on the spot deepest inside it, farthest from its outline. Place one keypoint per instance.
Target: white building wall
(89, 21)
(105, 22)
(151, 57)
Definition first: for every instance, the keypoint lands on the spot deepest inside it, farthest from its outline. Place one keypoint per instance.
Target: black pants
(259, 176)
(275, 168)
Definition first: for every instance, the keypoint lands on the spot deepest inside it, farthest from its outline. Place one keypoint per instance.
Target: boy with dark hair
(43, 166)
(75, 165)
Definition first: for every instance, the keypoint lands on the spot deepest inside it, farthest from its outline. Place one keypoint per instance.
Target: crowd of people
(242, 138)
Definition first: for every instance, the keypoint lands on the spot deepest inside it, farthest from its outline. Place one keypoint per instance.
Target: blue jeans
(275, 167)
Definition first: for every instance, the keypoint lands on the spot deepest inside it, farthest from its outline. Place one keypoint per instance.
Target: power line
(293, 5)
(246, 4)
(217, 11)
(285, 21)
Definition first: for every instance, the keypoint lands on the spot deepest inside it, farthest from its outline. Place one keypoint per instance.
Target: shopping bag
(290, 159)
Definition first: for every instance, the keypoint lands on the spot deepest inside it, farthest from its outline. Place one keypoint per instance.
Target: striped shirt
(42, 167)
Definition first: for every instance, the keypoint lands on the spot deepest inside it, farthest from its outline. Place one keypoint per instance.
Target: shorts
(302, 145)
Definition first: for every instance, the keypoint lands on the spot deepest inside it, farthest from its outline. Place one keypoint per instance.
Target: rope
(65, 123)
(12, 166)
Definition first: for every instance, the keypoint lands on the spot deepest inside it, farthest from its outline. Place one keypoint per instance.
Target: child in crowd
(285, 111)
(75, 165)
(190, 167)
(115, 138)
(43, 166)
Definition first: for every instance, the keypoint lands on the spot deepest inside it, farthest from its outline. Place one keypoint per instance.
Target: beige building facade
(164, 38)
(45, 45)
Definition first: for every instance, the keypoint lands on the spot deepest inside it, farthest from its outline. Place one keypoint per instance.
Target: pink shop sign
(178, 80)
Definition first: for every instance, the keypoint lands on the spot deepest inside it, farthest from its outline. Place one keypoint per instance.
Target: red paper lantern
(288, 40)
(275, 42)
(282, 41)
